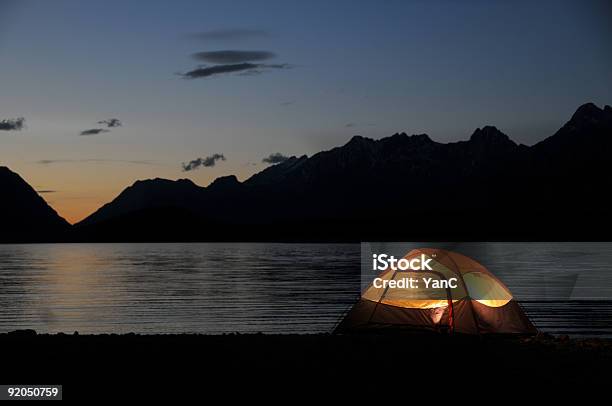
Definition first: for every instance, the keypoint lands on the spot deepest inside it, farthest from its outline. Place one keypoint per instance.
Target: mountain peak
(401, 139)
(588, 130)
(490, 135)
(6, 172)
(424, 138)
(24, 215)
(587, 111)
(358, 140)
(224, 183)
(589, 115)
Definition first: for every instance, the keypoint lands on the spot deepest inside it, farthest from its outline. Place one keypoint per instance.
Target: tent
(479, 303)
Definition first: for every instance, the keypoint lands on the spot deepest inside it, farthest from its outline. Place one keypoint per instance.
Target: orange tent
(480, 303)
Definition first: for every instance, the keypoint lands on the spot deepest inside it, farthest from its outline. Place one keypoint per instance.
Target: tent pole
(451, 311)
(381, 297)
(467, 291)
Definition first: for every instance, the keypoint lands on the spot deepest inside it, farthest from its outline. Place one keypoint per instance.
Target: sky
(204, 89)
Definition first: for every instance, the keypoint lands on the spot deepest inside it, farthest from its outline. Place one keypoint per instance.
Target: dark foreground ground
(173, 366)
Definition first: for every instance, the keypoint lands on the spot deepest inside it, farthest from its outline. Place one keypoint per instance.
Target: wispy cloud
(203, 162)
(275, 158)
(232, 34)
(111, 122)
(351, 125)
(95, 160)
(108, 123)
(12, 124)
(233, 56)
(94, 131)
(240, 68)
(206, 71)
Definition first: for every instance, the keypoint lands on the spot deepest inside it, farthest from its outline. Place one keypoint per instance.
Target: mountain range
(396, 188)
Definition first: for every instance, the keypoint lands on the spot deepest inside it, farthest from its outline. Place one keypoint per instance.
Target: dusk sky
(315, 74)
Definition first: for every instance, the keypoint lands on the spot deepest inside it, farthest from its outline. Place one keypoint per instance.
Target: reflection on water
(217, 288)
(175, 288)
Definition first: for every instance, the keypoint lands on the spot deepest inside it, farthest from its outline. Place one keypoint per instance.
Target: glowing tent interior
(479, 304)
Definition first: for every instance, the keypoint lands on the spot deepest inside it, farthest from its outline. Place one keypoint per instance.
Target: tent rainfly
(479, 304)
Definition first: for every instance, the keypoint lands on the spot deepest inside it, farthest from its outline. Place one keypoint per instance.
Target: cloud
(351, 125)
(275, 158)
(245, 68)
(94, 160)
(12, 124)
(204, 71)
(203, 162)
(111, 122)
(231, 34)
(45, 191)
(233, 56)
(94, 131)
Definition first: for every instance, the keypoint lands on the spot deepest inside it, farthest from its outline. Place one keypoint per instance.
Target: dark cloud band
(241, 68)
(233, 56)
(206, 71)
(94, 131)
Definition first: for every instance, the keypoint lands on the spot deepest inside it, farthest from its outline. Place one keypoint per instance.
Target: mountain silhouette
(397, 188)
(400, 187)
(24, 215)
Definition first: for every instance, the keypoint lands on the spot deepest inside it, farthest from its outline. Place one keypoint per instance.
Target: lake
(268, 287)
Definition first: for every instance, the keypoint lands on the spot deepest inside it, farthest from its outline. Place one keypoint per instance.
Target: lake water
(272, 288)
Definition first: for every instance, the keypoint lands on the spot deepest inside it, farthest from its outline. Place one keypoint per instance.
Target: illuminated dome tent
(479, 302)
